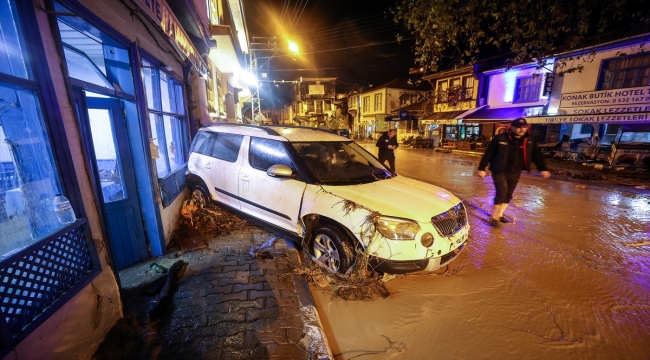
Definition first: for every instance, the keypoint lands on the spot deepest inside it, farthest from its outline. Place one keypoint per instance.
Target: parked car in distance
(328, 193)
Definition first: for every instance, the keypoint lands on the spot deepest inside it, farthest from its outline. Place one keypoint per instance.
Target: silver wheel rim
(326, 253)
(197, 195)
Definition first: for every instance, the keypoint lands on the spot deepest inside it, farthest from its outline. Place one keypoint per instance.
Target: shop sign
(316, 89)
(161, 14)
(446, 122)
(643, 117)
(616, 97)
(607, 109)
(628, 157)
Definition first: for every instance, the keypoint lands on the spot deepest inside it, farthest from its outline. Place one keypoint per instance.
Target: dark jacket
(382, 144)
(498, 153)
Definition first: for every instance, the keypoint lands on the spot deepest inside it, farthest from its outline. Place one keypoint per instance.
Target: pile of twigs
(213, 221)
(358, 283)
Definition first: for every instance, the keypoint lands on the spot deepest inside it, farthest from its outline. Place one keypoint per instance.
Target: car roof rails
(298, 127)
(263, 127)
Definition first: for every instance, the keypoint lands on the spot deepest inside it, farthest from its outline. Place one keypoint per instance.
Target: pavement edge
(319, 347)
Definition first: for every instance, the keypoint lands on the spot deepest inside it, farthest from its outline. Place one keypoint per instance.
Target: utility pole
(269, 45)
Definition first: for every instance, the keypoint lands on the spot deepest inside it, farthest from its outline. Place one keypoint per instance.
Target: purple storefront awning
(504, 114)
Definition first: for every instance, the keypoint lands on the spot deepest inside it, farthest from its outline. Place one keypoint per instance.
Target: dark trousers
(505, 185)
(391, 162)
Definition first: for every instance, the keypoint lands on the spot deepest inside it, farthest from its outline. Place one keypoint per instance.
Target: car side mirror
(280, 171)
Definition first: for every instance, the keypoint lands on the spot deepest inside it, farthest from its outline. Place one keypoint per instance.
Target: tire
(200, 196)
(332, 249)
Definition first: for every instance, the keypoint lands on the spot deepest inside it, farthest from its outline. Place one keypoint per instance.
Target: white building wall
(503, 86)
(587, 79)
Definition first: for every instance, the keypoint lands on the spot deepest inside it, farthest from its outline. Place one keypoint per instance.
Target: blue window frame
(43, 263)
(169, 129)
(528, 89)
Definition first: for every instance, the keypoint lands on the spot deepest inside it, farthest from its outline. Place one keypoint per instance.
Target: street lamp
(293, 47)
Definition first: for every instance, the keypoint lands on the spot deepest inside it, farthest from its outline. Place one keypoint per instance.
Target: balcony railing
(38, 280)
(454, 95)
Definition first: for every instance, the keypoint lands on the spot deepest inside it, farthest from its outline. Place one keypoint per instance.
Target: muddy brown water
(569, 279)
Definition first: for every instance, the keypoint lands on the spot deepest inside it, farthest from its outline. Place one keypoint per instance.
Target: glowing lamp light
(293, 47)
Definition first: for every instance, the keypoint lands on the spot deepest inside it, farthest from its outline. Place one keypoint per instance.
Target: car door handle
(245, 178)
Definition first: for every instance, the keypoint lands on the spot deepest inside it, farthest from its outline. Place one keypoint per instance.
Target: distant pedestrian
(387, 143)
(507, 155)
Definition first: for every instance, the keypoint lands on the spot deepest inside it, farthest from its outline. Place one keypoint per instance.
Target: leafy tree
(450, 33)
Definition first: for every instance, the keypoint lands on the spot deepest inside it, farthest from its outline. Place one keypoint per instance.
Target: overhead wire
(343, 24)
(299, 16)
(294, 14)
(284, 9)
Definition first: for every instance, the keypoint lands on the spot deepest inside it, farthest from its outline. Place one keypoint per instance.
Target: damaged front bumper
(408, 266)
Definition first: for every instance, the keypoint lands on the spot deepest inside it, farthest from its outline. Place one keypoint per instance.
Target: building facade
(455, 94)
(606, 104)
(314, 101)
(377, 103)
(98, 102)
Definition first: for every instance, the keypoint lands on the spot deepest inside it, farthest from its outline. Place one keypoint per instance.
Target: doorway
(104, 131)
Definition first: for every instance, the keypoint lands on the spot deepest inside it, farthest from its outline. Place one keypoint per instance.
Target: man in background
(387, 143)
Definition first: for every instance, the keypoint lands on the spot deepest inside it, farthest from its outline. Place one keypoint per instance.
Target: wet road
(569, 279)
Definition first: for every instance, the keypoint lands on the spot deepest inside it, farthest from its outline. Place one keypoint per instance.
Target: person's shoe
(504, 220)
(494, 222)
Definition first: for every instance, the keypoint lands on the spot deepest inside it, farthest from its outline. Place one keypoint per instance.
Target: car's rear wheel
(332, 249)
(200, 196)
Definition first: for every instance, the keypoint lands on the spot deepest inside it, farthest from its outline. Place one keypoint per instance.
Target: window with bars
(631, 71)
(528, 89)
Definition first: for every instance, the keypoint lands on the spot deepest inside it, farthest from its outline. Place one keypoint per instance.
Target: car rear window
(226, 146)
(265, 153)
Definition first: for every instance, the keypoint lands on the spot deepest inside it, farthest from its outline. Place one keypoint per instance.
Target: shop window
(93, 57)
(377, 102)
(527, 89)
(168, 124)
(43, 262)
(632, 71)
(319, 106)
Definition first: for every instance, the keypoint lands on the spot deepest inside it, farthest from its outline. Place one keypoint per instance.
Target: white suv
(329, 194)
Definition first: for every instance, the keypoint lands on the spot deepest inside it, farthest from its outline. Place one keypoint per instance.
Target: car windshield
(340, 163)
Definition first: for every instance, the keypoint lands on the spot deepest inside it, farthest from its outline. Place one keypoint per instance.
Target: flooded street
(570, 278)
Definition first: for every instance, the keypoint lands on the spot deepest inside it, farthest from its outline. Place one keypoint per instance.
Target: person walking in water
(387, 143)
(507, 155)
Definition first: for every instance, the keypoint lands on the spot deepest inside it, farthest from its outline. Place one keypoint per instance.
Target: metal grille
(172, 185)
(450, 222)
(34, 279)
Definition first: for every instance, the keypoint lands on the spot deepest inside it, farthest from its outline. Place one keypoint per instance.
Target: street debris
(262, 246)
(213, 221)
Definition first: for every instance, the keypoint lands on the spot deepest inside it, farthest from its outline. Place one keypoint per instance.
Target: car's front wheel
(200, 196)
(332, 249)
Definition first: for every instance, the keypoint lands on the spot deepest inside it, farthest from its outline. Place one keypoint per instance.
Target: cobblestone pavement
(226, 305)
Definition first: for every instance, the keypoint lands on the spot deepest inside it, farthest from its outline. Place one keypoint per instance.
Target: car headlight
(397, 229)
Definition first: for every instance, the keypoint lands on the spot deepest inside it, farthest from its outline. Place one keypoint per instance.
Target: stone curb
(319, 347)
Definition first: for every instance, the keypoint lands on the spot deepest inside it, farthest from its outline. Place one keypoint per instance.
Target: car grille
(451, 221)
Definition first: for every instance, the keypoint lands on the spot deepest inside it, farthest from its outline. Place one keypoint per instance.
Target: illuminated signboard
(161, 14)
(615, 97)
(316, 89)
(643, 117)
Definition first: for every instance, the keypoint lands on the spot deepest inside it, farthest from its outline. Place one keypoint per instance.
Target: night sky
(336, 39)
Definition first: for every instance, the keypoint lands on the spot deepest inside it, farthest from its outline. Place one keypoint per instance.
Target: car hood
(399, 197)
